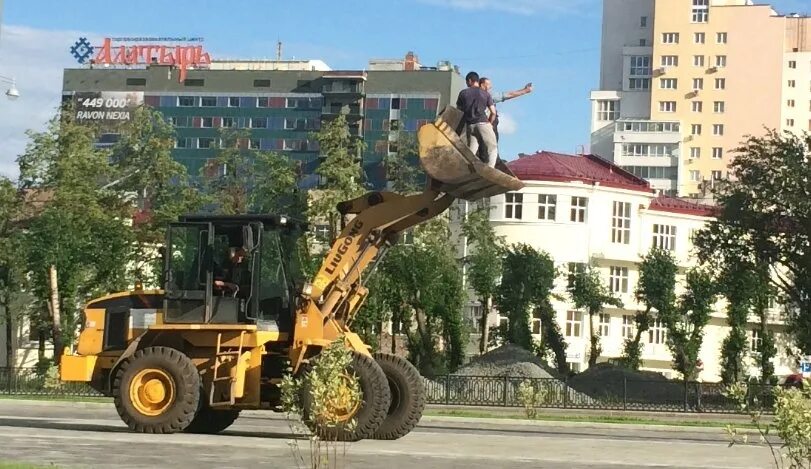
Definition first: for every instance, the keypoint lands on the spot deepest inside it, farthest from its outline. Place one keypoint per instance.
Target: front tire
(407, 397)
(375, 397)
(157, 390)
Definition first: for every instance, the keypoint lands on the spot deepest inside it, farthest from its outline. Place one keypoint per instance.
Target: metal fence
(625, 394)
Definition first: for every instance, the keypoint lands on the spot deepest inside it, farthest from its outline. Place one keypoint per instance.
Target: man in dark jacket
(474, 102)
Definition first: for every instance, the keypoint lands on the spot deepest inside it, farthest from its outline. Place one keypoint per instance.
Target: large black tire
(407, 397)
(373, 409)
(210, 421)
(173, 413)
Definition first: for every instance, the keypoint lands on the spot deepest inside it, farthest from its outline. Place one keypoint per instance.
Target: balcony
(342, 88)
(351, 111)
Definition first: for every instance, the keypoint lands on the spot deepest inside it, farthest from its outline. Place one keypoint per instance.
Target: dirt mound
(611, 382)
(507, 360)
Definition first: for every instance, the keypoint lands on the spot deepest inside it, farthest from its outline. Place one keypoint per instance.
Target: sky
(555, 44)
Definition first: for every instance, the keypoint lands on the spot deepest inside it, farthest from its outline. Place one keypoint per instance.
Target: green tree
(142, 160)
(765, 217)
(339, 171)
(402, 166)
(589, 293)
(484, 262)
(81, 230)
(685, 322)
(10, 261)
(528, 277)
(657, 291)
(227, 179)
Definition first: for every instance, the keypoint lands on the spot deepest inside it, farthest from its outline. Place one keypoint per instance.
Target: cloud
(521, 7)
(36, 59)
(506, 124)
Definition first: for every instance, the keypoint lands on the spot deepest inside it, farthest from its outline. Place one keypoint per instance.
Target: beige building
(684, 81)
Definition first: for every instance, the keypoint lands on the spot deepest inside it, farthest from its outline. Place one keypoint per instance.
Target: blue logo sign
(81, 50)
(805, 367)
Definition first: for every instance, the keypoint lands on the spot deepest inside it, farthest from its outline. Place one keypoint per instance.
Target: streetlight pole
(12, 93)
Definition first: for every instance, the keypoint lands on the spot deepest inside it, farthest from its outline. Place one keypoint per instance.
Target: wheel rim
(152, 391)
(341, 407)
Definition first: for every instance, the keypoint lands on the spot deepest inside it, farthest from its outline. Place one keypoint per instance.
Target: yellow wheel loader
(234, 315)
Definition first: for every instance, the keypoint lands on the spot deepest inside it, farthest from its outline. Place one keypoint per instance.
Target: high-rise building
(683, 82)
(280, 103)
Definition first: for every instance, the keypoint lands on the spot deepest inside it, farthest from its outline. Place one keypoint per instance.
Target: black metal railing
(575, 393)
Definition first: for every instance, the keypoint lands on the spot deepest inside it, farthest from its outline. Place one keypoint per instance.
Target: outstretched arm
(514, 94)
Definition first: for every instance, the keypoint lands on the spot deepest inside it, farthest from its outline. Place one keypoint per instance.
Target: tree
(10, 261)
(339, 171)
(527, 282)
(82, 230)
(657, 291)
(484, 262)
(685, 322)
(765, 218)
(229, 176)
(589, 293)
(142, 159)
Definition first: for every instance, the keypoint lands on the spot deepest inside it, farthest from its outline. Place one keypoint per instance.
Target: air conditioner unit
(712, 69)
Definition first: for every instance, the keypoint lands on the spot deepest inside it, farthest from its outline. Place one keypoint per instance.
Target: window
(628, 326)
(194, 82)
(657, 332)
(183, 142)
(670, 38)
(640, 66)
(667, 106)
(717, 153)
(643, 43)
(578, 212)
(186, 101)
(720, 60)
(790, 122)
(716, 175)
(228, 122)
(546, 207)
(259, 122)
(643, 22)
(261, 83)
(618, 279)
(207, 122)
(653, 172)
(701, 11)
(512, 207)
(136, 81)
(179, 121)
(575, 269)
(790, 103)
(721, 38)
(621, 223)
(699, 38)
(664, 237)
(698, 60)
(291, 103)
(233, 101)
(791, 64)
(607, 110)
(208, 101)
(755, 341)
(670, 61)
(536, 321)
(639, 83)
(574, 321)
(695, 152)
(698, 83)
(695, 129)
(205, 142)
(254, 143)
(698, 106)
(792, 84)
(648, 149)
(718, 106)
(262, 102)
(605, 322)
(718, 129)
(695, 176)
(720, 83)
(668, 83)
(503, 321)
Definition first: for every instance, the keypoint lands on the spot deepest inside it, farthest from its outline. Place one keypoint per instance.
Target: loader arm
(337, 290)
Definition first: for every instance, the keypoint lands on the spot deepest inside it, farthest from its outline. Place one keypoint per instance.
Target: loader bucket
(451, 166)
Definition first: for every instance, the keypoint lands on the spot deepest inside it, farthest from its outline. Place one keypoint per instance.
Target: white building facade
(582, 209)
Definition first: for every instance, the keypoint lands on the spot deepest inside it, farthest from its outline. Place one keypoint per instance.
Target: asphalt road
(74, 435)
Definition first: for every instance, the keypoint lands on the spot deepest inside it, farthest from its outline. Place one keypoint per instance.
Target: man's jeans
(484, 136)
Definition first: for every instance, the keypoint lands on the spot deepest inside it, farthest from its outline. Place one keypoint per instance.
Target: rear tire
(157, 390)
(407, 397)
(375, 399)
(210, 421)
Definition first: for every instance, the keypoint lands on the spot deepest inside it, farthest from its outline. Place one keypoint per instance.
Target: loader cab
(240, 269)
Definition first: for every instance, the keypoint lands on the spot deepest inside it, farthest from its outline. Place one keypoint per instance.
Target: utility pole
(278, 49)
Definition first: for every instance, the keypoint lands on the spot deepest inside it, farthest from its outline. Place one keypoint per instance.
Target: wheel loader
(191, 356)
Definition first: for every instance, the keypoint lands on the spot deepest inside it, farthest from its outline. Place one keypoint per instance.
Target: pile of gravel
(507, 360)
(605, 381)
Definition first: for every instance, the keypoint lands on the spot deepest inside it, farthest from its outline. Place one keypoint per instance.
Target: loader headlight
(307, 289)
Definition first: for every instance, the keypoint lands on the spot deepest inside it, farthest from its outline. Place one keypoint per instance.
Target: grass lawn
(55, 398)
(14, 465)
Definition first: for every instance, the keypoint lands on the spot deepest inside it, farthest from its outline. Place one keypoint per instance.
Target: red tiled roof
(591, 169)
(664, 203)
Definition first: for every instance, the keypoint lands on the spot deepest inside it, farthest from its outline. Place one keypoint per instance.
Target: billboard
(106, 107)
